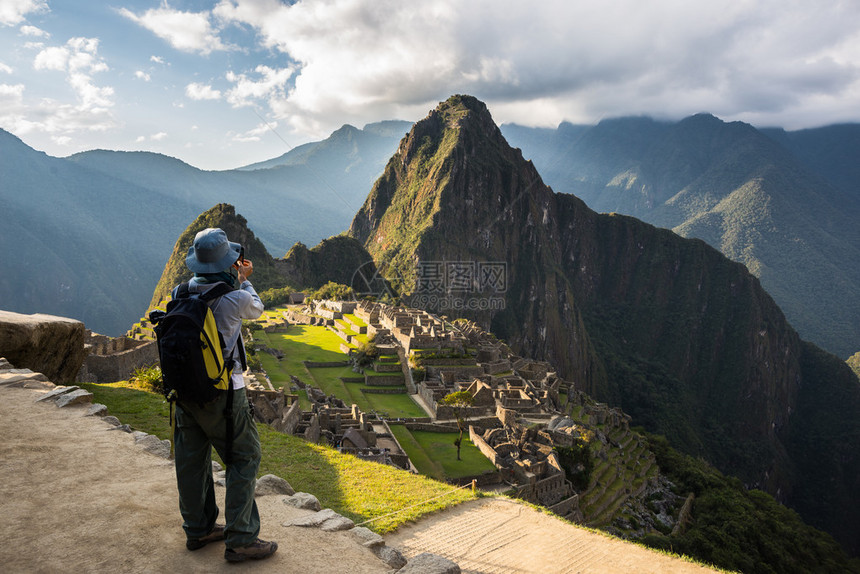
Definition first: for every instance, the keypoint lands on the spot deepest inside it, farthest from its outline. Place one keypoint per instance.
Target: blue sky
(224, 83)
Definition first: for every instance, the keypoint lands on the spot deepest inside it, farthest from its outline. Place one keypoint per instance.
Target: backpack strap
(228, 416)
(218, 290)
(182, 291)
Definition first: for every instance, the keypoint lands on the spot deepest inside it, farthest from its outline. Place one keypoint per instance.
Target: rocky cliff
(680, 337)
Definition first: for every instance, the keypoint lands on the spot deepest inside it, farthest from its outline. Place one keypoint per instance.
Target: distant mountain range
(89, 235)
(783, 203)
(786, 204)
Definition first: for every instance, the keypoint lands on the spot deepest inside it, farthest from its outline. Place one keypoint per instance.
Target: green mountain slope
(679, 336)
(741, 191)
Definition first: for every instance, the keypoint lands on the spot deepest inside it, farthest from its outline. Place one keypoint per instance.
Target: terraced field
(304, 344)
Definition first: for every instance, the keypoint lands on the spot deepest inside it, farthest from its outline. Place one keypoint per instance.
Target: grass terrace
(435, 455)
(302, 343)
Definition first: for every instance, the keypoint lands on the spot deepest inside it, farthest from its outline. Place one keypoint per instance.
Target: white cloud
(254, 135)
(34, 31)
(156, 59)
(78, 59)
(79, 55)
(572, 60)
(271, 84)
(185, 31)
(11, 95)
(6, 69)
(157, 137)
(141, 75)
(53, 58)
(14, 12)
(197, 91)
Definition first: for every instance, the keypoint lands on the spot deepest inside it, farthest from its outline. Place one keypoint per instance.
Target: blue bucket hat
(211, 252)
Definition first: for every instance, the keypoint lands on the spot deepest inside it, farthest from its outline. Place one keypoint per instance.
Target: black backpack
(190, 348)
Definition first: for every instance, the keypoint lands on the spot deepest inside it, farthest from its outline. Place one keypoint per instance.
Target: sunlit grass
(355, 488)
(302, 343)
(436, 455)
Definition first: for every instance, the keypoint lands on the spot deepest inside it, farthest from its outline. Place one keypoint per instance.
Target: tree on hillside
(460, 400)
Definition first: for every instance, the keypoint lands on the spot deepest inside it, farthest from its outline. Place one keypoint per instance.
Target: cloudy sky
(224, 83)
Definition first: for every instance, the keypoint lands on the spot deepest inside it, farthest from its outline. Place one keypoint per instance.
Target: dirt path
(77, 497)
(500, 536)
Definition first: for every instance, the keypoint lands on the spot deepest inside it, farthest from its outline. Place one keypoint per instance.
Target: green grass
(400, 405)
(355, 320)
(299, 343)
(140, 409)
(436, 456)
(310, 343)
(355, 488)
(397, 406)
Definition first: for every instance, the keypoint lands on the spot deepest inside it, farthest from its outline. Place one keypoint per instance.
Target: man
(199, 427)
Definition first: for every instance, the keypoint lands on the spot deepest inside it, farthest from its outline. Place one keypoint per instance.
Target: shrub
(577, 462)
(366, 354)
(276, 296)
(148, 379)
(334, 291)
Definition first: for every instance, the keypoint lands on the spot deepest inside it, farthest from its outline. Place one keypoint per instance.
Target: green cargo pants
(198, 429)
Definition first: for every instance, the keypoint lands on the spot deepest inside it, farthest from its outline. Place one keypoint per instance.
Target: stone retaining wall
(383, 380)
(400, 391)
(319, 365)
(431, 427)
(118, 366)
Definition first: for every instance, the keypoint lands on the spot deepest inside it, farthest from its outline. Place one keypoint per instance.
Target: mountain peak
(224, 216)
(445, 176)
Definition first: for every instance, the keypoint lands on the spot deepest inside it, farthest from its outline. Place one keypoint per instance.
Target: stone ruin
(331, 421)
(114, 359)
(410, 328)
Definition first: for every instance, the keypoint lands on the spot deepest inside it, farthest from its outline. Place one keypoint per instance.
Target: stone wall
(398, 391)
(383, 380)
(482, 445)
(118, 366)
(429, 427)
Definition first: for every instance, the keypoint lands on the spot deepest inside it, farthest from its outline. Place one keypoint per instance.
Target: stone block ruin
(114, 359)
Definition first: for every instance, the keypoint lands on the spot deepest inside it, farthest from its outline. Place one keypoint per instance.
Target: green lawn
(435, 455)
(141, 410)
(395, 406)
(299, 343)
(317, 344)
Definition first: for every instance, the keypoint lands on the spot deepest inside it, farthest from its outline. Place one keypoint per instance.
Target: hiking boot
(214, 536)
(254, 551)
